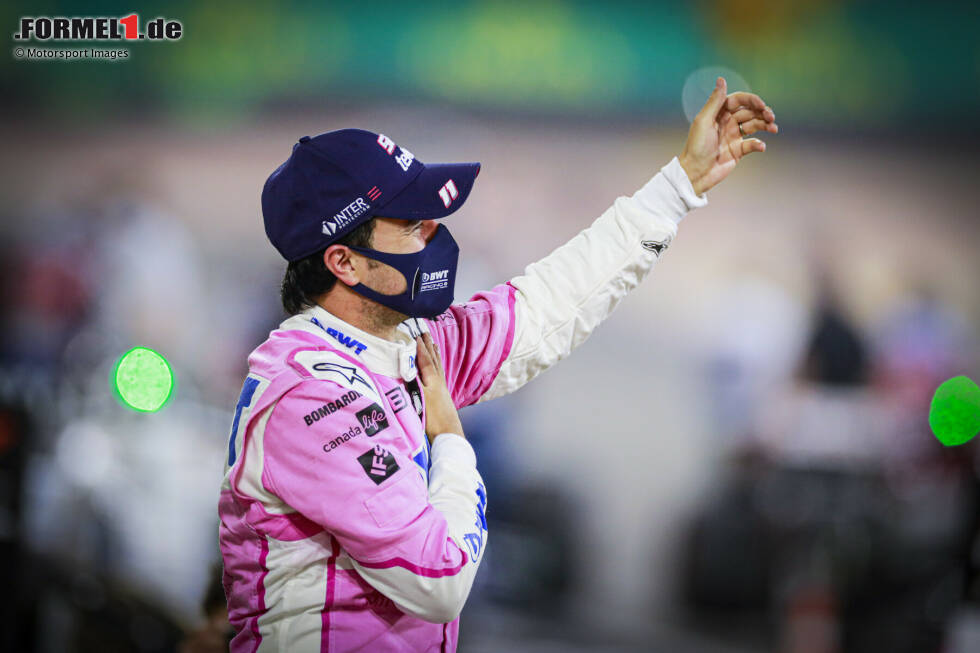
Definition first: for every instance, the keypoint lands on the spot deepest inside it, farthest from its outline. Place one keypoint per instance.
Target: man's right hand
(440, 412)
(717, 140)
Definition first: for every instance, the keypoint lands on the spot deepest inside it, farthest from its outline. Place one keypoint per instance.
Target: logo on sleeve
(378, 464)
(349, 434)
(330, 407)
(348, 373)
(476, 539)
(421, 458)
(656, 246)
(373, 419)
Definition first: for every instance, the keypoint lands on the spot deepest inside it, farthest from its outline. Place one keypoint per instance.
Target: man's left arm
(502, 338)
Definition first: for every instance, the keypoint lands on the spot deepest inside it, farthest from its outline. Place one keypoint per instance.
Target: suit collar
(393, 358)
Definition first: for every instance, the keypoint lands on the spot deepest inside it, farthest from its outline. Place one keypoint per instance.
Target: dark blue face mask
(430, 276)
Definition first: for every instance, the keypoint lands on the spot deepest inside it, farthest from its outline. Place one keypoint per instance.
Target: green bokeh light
(954, 415)
(143, 379)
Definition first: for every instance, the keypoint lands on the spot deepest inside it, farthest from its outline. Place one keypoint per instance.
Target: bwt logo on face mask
(434, 280)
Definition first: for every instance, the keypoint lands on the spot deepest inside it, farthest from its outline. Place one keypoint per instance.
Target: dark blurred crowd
(841, 523)
(105, 522)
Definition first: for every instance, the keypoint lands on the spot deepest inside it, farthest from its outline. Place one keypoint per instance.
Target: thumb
(715, 101)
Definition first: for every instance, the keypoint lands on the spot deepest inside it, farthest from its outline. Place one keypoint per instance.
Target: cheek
(417, 242)
(386, 280)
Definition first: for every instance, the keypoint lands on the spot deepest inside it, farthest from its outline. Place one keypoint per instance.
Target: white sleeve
(457, 491)
(564, 296)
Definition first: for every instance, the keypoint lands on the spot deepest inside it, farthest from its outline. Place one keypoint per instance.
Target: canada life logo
(96, 28)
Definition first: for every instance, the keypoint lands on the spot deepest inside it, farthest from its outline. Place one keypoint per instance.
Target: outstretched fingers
(746, 114)
(744, 99)
(750, 145)
(752, 126)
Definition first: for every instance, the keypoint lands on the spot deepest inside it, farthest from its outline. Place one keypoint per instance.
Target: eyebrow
(412, 225)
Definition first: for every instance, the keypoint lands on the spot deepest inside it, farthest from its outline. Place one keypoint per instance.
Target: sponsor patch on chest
(378, 464)
(373, 419)
(330, 407)
(351, 433)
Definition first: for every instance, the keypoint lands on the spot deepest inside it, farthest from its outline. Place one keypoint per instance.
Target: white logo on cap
(345, 217)
(386, 143)
(405, 159)
(448, 193)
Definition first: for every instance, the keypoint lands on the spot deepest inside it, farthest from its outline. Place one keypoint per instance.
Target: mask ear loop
(415, 283)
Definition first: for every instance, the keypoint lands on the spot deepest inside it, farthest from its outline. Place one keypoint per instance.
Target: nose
(429, 229)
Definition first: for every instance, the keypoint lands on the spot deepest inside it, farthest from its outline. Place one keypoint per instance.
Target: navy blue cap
(334, 182)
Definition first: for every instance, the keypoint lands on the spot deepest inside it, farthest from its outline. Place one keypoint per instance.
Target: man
(352, 513)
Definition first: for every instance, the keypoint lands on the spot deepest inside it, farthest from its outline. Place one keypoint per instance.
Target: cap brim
(437, 191)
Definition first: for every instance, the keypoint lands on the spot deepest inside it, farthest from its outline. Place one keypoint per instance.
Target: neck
(366, 315)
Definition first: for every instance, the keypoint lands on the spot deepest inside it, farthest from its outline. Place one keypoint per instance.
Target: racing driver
(352, 515)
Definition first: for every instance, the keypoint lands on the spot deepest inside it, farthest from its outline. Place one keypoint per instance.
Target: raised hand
(717, 140)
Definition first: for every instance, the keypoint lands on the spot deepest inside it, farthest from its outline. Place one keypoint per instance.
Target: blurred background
(747, 467)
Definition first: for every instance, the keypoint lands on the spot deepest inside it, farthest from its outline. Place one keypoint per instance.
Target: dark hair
(308, 278)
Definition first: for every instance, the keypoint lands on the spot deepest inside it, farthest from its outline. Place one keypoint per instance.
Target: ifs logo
(96, 28)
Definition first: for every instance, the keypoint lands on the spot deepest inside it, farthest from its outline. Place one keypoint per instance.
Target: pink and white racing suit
(340, 530)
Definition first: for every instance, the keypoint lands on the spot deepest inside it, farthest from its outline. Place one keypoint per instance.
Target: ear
(341, 261)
